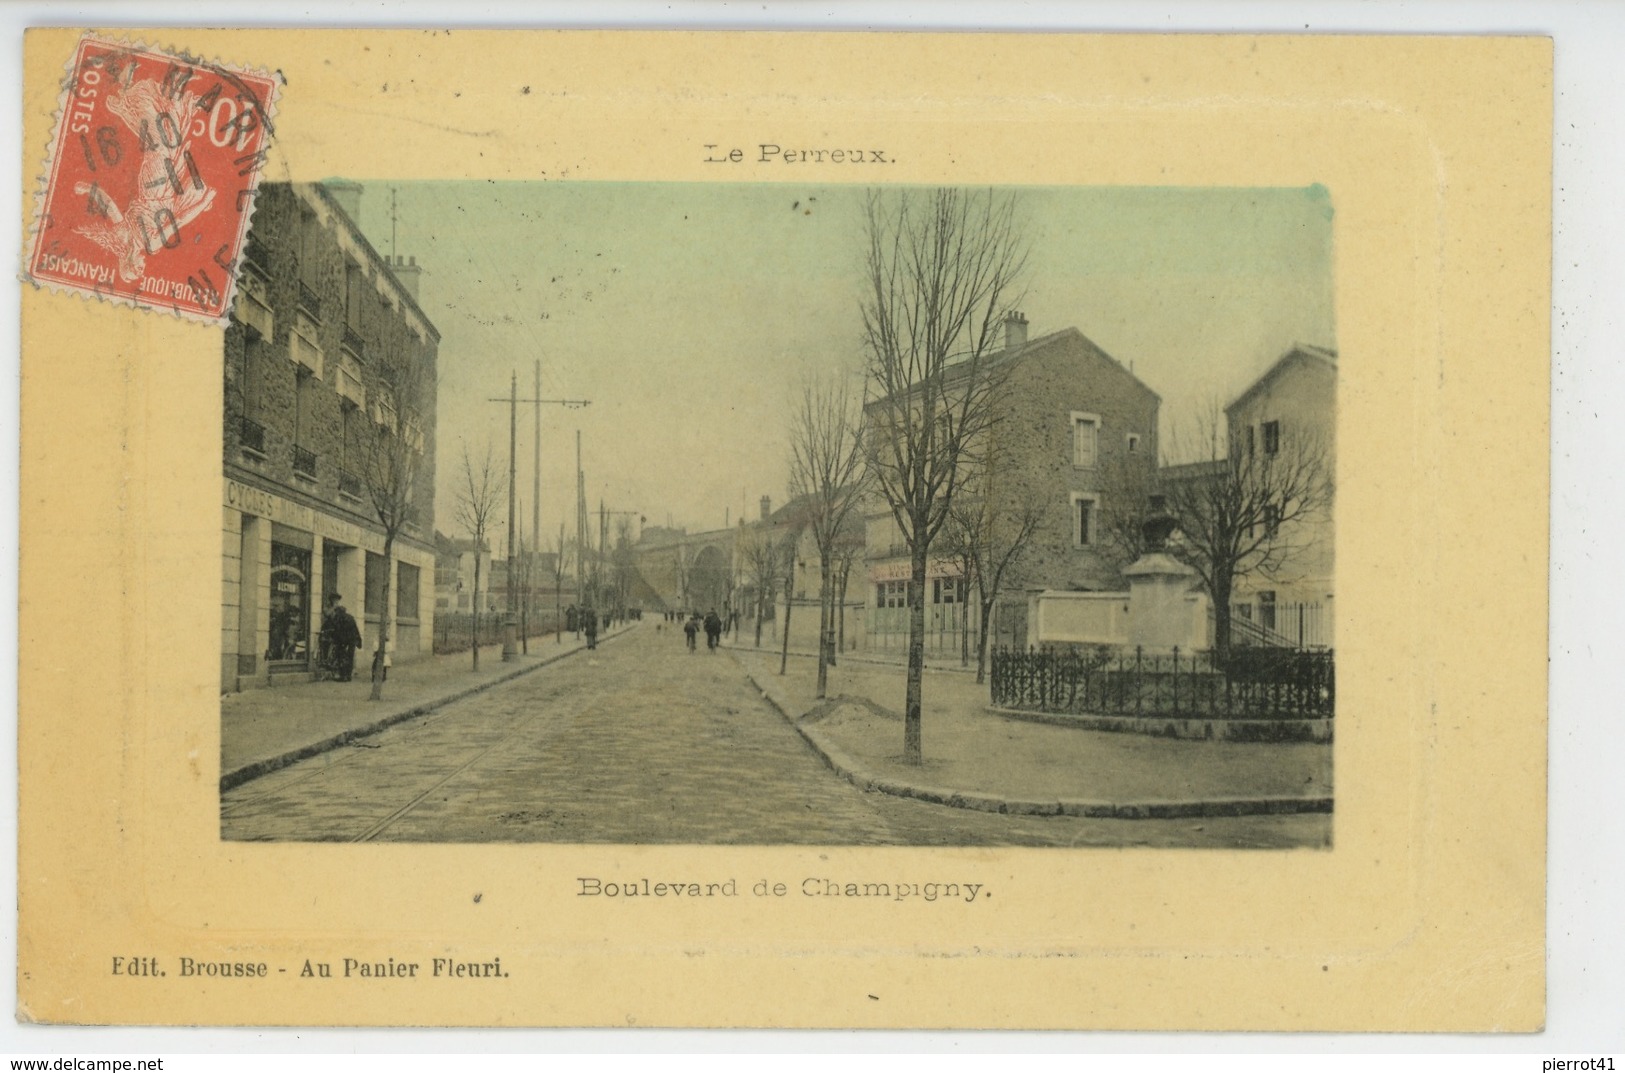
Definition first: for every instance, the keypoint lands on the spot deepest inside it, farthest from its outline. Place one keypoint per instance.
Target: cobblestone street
(643, 742)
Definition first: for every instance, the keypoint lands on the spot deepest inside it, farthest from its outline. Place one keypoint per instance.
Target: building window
(1133, 443)
(310, 286)
(1085, 520)
(1272, 520)
(891, 594)
(1272, 437)
(253, 304)
(406, 592)
(307, 352)
(946, 590)
(1250, 431)
(1266, 610)
(1085, 436)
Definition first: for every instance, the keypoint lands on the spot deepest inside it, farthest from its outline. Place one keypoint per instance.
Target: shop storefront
(282, 559)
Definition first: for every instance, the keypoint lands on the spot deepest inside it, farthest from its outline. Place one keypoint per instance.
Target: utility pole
(582, 593)
(509, 646)
(524, 596)
(536, 491)
(509, 651)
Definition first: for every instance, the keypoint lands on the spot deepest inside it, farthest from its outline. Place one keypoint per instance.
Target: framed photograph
(784, 530)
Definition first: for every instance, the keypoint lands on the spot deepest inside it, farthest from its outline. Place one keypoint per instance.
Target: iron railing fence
(251, 434)
(304, 461)
(1252, 683)
(453, 630)
(1283, 625)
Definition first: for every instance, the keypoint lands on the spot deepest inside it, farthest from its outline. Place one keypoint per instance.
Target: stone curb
(1235, 730)
(855, 773)
(249, 772)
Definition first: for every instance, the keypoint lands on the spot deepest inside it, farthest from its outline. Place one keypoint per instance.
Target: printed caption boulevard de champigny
(811, 887)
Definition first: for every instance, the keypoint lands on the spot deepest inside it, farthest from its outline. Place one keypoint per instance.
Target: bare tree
(623, 565)
(849, 546)
(760, 549)
(1238, 509)
(394, 467)
(1128, 483)
(790, 542)
(942, 270)
(827, 476)
(479, 493)
(988, 539)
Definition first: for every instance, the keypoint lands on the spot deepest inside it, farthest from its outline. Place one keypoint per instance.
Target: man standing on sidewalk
(590, 623)
(346, 639)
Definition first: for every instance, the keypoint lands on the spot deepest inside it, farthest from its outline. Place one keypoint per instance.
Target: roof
(1005, 356)
(1297, 353)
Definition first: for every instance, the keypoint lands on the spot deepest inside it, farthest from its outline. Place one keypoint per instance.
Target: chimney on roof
(347, 193)
(1015, 330)
(767, 507)
(407, 271)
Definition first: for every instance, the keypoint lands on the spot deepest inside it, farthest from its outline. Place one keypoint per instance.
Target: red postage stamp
(151, 178)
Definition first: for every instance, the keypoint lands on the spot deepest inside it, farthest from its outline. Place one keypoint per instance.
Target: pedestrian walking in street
(690, 628)
(346, 639)
(590, 624)
(713, 629)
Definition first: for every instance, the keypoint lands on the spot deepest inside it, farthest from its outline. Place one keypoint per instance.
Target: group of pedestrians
(711, 623)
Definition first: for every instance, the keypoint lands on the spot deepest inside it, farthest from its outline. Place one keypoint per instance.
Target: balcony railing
(350, 484)
(309, 302)
(251, 434)
(255, 253)
(304, 462)
(354, 343)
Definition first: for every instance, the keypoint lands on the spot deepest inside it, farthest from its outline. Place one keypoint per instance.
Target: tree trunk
(789, 590)
(824, 592)
(912, 753)
(759, 598)
(964, 628)
(1221, 620)
(476, 623)
(384, 623)
(981, 641)
(840, 639)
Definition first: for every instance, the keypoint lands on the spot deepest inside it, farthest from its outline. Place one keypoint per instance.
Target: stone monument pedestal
(1161, 615)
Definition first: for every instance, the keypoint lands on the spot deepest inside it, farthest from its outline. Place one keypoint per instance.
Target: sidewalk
(976, 759)
(897, 658)
(264, 729)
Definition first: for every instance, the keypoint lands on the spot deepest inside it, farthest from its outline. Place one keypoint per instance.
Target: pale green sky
(686, 312)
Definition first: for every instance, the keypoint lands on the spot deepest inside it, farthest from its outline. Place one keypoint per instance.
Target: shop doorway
(289, 648)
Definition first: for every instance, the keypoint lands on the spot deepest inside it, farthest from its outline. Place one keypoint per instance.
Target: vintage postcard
(680, 529)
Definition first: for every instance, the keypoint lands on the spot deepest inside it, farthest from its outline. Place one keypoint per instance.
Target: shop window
(891, 594)
(1272, 437)
(406, 592)
(290, 602)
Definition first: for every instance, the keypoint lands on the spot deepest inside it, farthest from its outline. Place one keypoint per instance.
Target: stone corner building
(327, 347)
(1072, 421)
